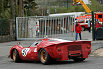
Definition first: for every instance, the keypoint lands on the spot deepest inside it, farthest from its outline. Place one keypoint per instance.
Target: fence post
(45, 27)
(93, 31)
(63, 27)
(16, 28)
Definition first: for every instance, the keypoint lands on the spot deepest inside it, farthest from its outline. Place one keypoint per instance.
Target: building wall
(10, 32)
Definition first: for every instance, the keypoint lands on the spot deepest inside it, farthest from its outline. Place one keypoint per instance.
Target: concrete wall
(7, 38)
(11, 30)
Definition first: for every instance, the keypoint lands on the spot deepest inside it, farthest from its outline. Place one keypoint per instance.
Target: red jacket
(78, 28)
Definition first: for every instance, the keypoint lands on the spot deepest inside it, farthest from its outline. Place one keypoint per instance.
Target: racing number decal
(25, 51)
(35, 50)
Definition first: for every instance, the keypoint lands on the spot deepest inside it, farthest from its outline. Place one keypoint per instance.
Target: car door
(29, 53)
(33, 53)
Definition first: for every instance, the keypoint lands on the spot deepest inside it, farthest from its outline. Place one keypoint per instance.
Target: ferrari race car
(49, 49)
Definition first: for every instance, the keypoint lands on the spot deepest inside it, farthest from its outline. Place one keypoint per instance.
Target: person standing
(37, 29)
(78, 30)
(89, 28)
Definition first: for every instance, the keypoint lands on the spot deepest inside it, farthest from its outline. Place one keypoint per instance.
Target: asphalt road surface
(7, 63)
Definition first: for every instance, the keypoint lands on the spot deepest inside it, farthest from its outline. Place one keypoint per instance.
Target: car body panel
(58, 49)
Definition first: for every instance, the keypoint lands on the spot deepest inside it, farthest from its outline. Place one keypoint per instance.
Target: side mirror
(36, 43)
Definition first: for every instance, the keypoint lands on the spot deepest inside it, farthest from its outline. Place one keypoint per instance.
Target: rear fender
(50, 49)
(86, 48)
(57, 54)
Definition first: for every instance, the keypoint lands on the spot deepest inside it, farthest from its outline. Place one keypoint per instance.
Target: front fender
(18, 48)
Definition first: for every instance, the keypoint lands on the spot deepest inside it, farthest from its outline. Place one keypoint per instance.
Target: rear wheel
(15, 56)
(79, 59)
(44, 56)
(83, 28)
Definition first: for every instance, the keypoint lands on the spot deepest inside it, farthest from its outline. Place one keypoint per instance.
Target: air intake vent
(74, 47)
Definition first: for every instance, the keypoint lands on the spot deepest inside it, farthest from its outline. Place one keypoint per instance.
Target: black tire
(83, 28)
(44, 57)
(79, 59)
(15, 56)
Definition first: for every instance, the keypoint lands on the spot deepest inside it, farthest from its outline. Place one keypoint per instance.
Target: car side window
(81, 21)
(86, 21)
(34, 44)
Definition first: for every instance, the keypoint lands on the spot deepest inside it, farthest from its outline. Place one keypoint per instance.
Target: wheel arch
(83, 27)
(12, 52)
(40, 50)
(47, 60)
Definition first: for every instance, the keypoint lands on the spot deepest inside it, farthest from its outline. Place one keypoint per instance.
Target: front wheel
(44, 56)
(79, 59)
(15, 56)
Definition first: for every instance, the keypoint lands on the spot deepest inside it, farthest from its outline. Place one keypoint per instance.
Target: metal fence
(37, 27)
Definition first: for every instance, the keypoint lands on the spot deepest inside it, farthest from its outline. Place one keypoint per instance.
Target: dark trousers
(79, 36)
(89, 28)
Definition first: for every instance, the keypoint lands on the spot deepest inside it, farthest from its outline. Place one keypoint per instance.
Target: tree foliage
(94, 6)
(11, 8)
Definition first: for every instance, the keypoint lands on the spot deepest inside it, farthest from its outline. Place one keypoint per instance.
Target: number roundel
(25, 51)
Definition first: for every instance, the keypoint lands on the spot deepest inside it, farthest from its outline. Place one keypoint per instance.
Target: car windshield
(35, 43)
(53, 39)
(81, 21)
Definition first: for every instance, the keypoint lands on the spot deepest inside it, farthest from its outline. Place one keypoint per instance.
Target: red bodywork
(83, 23)
(57, 49)
(98, 16)
(83, 20)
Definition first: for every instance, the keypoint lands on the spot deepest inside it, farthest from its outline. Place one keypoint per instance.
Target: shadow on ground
(53, 63)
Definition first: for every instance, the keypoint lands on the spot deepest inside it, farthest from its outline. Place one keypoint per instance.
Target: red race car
(50, 48)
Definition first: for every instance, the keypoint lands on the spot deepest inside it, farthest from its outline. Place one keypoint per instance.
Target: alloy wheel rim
(14, 55)
(43, 56)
